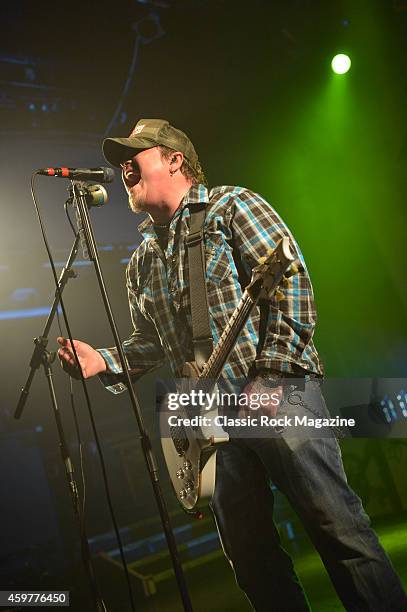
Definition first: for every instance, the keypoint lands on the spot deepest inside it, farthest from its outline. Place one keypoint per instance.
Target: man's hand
(91, 361)
(257, 393)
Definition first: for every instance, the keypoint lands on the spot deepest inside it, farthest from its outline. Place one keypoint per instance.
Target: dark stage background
(251, 83)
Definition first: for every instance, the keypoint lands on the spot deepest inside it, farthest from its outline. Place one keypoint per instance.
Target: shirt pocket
(218, 264)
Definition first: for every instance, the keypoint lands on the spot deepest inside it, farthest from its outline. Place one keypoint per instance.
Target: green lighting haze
(333, 171)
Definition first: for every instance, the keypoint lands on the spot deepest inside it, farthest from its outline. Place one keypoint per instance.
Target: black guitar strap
(201, 329)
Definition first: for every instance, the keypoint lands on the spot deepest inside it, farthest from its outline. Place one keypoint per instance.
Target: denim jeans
(309, 472)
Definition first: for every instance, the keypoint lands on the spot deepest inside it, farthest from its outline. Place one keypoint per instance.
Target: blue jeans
(309, 471)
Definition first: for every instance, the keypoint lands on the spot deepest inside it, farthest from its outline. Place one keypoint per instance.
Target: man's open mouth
(132, 178)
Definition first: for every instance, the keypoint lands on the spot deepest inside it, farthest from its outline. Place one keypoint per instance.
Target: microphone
(96, 195)
(102, 175)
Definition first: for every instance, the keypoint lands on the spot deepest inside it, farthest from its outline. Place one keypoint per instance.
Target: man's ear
(176, 160)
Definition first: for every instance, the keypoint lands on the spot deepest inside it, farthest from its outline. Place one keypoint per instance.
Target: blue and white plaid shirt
(238, 222)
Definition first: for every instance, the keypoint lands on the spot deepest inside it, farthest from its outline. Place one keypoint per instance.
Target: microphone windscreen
(108, 174)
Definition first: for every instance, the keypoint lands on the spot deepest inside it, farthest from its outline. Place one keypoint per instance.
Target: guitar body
(190, 451)
(192, 475)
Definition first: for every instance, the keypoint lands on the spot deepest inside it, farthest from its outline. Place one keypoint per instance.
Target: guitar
(189, 437)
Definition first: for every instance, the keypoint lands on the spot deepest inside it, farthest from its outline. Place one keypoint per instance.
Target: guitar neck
(216, 361)
(266, 277)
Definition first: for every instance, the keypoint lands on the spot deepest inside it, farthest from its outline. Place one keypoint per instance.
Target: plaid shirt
(237, 220)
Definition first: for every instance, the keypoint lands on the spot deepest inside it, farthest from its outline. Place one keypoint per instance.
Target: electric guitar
(189, 442)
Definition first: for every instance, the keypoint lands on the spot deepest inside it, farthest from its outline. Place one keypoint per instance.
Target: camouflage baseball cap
(149, 133)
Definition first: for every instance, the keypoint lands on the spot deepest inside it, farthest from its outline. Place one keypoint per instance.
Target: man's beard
(136, 203)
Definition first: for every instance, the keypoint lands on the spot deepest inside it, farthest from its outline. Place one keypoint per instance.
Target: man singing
(163, 177)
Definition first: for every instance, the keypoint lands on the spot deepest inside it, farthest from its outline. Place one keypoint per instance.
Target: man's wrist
(103, 364)
(104, 355)
(269, 379)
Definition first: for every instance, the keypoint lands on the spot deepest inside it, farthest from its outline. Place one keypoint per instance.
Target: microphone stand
(43, 357)
(146, 446)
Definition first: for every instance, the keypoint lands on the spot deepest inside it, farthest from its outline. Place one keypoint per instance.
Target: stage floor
(212, 586)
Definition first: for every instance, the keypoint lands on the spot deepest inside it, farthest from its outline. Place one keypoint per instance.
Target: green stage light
(341, 63)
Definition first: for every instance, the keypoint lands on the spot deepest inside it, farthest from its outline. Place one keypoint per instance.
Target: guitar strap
(201, 329)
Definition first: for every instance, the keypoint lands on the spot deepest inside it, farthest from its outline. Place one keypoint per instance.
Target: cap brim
(118, 150)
